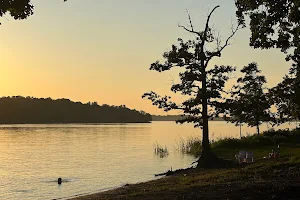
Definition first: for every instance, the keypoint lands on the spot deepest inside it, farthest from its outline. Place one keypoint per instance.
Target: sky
(101, 50)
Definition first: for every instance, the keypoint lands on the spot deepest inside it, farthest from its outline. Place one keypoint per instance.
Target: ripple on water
(62, 180)
(23, 191)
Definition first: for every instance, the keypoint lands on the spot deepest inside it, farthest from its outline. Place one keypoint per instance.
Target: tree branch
(190, 20)
(231, 36)
(221, 48)
(191, 24)
(207, 23)
(191, 31)
(162, 102)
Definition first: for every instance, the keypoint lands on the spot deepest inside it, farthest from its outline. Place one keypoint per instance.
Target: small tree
(203, 85)
(249, 103)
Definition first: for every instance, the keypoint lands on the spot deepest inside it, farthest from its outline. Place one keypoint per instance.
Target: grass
(268, 140)
(160, 150)
(192, 145)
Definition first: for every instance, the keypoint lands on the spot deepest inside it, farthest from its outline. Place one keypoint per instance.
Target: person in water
(59, 181)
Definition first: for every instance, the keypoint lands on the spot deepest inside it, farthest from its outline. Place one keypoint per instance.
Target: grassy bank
(264, 179)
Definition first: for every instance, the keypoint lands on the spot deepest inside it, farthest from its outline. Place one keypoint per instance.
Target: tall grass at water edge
(160, 150)
(192, 146)
(269, 139)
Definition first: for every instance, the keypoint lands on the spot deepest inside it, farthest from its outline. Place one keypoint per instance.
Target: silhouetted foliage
(267, 138)
(202, 84)
(19, 110)
(286, 99)
(273, 24)
(249, 103)
(18, 9)
(276, 24)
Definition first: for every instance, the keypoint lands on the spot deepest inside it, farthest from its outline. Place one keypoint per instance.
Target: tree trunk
(207, 159)
(257, 128)
(205, 138)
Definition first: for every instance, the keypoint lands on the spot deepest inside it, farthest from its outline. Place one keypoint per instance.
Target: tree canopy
(18, 9)
(273, 24)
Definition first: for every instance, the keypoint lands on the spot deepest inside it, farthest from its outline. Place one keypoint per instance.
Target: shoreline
(102, 194)
(210, 186)
(114, 188)
(90, 193)
(265, 178)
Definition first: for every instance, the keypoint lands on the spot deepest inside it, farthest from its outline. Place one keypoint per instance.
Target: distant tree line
(18, 109)
(178, 117)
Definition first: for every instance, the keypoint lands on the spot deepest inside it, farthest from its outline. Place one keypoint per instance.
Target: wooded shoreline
(31, 110)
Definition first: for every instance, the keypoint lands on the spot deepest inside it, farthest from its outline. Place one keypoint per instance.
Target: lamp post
(240, 130)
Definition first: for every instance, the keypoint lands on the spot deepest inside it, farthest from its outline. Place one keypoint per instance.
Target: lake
(92, 157)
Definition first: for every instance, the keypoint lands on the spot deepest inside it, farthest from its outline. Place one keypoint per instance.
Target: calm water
(91, 158)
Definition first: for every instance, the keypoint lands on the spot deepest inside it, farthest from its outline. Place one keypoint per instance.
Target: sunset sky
(101, 50)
